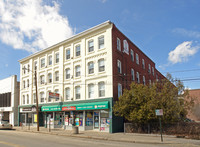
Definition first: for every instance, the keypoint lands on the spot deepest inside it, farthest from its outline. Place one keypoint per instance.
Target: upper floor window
(50, 60)
(67, 54)
(101, 65)
(78, 71)
(144, 81)
(35, 65)
(143, 64)
(24, 68)
(34, 98)
(42, 79)
(157, 77)
(67, 72)
(101, 42)
(42, 97)
(67, 93)
(119, 66)
(50, 77)
(78, 50)
(126, 47)
(132, 55)
(57, 57)
(57, 76)
(101, 86)
(28, 68)
(23, 99)
(149, 70)
(77, 92)
(137, 58)
(24, 84)
(90, 67)
(90, 90)
(90, 46)
(28, 83)
(119, 90)
(42, 62)
(132, 75)
(57, 91)
(118, 44)
(138, 77)
(153, 71)
(27, 97)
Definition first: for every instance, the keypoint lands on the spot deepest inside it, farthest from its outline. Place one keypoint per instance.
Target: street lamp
(35, 76)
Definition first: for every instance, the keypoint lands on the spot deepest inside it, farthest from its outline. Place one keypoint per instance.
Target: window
(57, 76)
(78, 50)
(119, 90)
(34, 98)
(90, 46)
(144, 82)
(67, 54)
(157, 77)
(149, 82)
(132, 55)
(27, 99)
(78, 71)
(57, 57)
(42, 79)
(78, 92)
(90, 90)
(152, 71)
(137, 59)
(132, 75)
(24, 84)
(118, 44)
(50, 77)
(101, 65)
(49, 99)
(23, 99)
(42, 62)
(101, 42)
(101, 86)
(143, 64)
(50, 60)
(90, 68)
(57, 91)
(42, 97)
(67, 93)
(119, 66)
(35, 65)
(28, 68)
(138, 77)
(149, 71)
(67, 72)
(126, 47)
(24, 68)
(28, 83)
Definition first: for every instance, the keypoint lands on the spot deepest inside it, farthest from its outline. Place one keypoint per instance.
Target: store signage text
(68, 108)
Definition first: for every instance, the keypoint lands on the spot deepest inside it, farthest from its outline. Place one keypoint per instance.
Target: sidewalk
(122, 137)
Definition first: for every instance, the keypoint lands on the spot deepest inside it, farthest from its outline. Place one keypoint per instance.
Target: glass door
(96, 120)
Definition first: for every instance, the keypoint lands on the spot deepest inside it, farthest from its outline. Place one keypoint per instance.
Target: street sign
(159, 112)
(54, 95)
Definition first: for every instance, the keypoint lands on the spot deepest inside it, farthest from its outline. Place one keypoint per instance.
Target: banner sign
(54, 95)
(159, 112)
(68, 108)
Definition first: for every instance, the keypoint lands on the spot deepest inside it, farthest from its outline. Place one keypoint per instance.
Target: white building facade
(9, 100)
(79, 69)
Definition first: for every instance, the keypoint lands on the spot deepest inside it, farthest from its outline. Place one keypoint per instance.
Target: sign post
(159, 113)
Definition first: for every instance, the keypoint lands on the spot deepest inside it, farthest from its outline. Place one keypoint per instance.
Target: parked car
(5, 125)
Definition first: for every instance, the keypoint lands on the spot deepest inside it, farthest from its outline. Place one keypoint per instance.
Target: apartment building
(9, 100)
(88, 73)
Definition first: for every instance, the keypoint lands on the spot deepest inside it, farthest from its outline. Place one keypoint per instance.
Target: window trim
(78, 52)
(90, 48)
(101, 44)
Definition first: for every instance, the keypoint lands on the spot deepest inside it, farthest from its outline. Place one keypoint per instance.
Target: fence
(180, 129)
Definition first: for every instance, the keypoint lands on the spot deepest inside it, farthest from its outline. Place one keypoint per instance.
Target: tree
(140, 102)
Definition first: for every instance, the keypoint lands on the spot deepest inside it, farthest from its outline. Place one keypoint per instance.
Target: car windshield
(4, 122)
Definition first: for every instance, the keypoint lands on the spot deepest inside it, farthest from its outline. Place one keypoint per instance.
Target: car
(5, 125)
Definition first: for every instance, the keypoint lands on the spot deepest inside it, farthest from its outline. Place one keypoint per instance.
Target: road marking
(10, 144)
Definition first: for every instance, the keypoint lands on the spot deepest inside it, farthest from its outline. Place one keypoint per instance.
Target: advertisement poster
(77, 121)
(70, 121)
(35, 117)
(66, 120)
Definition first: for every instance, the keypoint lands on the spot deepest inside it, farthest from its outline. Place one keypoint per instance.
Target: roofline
(108, 22)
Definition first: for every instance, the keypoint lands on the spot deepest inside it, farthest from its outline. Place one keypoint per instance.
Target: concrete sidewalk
(122, 137)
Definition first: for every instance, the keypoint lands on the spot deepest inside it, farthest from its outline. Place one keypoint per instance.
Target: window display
(105, 121)
(96, 120)
(89, 118)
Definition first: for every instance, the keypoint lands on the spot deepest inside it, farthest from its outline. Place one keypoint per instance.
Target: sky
(167, 31)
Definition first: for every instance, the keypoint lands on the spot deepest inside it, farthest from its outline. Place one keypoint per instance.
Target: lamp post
(37, 111)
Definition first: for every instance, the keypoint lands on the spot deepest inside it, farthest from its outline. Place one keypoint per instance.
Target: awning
(52, 108)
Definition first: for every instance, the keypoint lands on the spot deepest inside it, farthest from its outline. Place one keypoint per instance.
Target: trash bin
(75, 130)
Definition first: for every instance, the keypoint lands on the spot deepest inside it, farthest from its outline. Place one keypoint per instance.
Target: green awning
(52, 108)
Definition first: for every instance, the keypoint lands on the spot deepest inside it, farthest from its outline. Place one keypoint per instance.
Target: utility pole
(37, 100)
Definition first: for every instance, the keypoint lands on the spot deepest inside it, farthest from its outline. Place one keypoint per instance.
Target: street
(11, 138)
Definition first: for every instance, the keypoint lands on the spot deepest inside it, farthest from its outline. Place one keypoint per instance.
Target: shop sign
(53, 95)
(68, 108)
(51, 108)
(29, 109)
(92, 106)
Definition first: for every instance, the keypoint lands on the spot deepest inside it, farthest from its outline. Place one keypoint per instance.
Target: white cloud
(103, 1)
(182, 52)
(188, 33)
(32, 25)
(6, 65)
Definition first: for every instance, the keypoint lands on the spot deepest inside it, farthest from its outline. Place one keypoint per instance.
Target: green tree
(140, 102)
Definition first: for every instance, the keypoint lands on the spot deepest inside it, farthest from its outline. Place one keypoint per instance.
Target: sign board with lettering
(53, 95)
(159, 112)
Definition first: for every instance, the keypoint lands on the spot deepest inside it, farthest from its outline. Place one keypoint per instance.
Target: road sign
(159, 112)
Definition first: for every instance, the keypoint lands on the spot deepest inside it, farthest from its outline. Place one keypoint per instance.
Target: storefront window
(96, 120)
(79, 119)
(105, 121)
(89, 118)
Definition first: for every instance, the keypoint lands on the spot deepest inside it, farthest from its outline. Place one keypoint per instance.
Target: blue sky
(167, 31)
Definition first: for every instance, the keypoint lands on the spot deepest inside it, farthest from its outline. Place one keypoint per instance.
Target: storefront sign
(68, 108)
(52, 108)
(91, 106)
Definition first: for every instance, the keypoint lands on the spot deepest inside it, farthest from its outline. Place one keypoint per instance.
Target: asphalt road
(11, 138)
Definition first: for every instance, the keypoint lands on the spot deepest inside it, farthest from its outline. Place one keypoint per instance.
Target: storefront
(87, 116)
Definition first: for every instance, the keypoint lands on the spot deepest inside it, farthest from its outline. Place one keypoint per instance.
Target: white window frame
(101, 64)
(101, 87)
(57, 57)
(90, 45)
(137, 77)
(118, 44)
(101, 42)
(143, 64)
(78, 50)
(57, 76)
(119, 87)
(50, 60)
(68, 54)
(137, 58)
(42, 63)
(78, 71)
(77, 92)
(42, 97)
(90, 67)
(132, 74)
(42, 79)
(149, 70)
(67, 93)
(132, 55)
(67, 73)
(91, 90)
(49, 77)
(119, 66)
